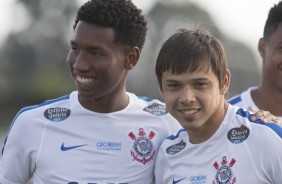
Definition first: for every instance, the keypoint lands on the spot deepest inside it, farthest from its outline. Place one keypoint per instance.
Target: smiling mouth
(84, 80)
(189, 112)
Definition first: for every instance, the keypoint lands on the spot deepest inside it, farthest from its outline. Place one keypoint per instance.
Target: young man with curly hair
(268, 95)
(100, 133)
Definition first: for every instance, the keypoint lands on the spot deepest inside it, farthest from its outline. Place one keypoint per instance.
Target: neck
(203, 133)
(105, 104)
(267, 98)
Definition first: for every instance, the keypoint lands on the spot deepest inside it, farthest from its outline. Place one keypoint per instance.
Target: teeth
(84, 80)
(189, 112)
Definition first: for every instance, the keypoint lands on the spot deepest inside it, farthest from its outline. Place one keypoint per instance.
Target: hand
(265, 116)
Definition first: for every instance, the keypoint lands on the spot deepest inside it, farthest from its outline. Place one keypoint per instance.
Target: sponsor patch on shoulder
(238, 135)
(176, 148)
(156, 109)
(57, 114)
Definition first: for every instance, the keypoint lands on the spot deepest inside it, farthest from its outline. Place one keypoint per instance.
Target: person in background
(219, 143)
(100, 133)
(268, 95)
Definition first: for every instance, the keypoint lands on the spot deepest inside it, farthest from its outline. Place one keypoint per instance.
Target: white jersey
(60, 142)
(245, 100)
(239, 152)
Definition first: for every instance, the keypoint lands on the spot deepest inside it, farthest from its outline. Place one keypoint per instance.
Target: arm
(158, 168)
(273, 158)
(16, 164)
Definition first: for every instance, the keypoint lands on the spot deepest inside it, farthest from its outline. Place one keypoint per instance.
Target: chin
(86, 95)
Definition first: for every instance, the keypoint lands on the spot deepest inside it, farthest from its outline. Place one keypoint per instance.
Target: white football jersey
(60, 142)
(239, 152)
(245, 100)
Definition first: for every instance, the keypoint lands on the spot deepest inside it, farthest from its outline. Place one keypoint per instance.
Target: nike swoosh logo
(66, 148)
(177, 181)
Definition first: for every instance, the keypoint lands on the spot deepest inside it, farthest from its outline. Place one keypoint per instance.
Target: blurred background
(34, 43)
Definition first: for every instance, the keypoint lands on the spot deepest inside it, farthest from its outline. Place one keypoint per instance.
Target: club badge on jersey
(143, 149)
(224, 174)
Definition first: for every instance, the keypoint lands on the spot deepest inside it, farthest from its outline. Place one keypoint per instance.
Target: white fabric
(60, 142)
(245, 100)
(231, 155)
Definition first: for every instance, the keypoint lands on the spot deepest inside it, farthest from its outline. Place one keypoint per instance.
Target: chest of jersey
(100, 149)
(217, 163)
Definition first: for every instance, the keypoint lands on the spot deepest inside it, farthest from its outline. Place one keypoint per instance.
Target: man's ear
(226, 84)
(161, 92)
(132, 58)
(261, 47)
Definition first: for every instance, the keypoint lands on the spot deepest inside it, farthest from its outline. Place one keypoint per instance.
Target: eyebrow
(88, 47)
(195, 79)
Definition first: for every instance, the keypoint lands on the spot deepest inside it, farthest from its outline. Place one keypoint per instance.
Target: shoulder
(235, 99)
(154, 110)
(25, 118)
(258, 126)
(149, 105)
(242, 98)
(32, 110)
(179, 135)
(29, 121)
(175, 138)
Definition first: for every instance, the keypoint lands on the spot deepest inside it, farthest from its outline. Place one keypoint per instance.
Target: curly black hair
(123, 16)
(273, 19)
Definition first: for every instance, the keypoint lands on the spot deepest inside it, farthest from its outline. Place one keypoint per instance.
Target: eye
(94, 52)
(172, 86)
(74, 48)
(200, 84)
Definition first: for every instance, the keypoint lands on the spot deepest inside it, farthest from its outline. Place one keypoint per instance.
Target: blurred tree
(164, 19)
(33, 59)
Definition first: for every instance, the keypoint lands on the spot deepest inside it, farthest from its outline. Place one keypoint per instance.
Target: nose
(81, 62)
(186, 96)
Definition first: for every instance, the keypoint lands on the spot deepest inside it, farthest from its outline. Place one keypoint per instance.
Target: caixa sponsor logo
(198, 179)
(108, 145)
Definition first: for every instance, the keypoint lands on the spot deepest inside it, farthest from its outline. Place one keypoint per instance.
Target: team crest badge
(224, 174)
(143, 149)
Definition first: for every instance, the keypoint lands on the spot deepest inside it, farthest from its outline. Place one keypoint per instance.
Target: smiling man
(99, 133)
(218, 144)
